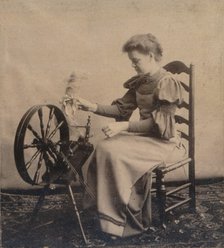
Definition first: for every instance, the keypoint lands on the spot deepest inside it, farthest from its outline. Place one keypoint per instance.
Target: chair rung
(178, 189)
(153, 190)
(176, 165)
(177, 197)
(177, 204)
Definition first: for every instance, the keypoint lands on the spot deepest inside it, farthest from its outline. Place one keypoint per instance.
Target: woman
(134, 148)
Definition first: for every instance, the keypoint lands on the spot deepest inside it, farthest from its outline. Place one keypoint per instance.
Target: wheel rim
(41, 127)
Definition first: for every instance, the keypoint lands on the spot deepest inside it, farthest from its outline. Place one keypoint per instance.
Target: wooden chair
(162, 193)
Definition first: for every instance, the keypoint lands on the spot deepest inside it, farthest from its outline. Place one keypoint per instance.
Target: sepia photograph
(112, 123)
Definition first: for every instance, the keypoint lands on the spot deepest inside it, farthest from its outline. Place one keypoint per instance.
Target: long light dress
(119, 164)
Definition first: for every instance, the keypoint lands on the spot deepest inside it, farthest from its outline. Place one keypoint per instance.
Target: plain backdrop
(42, 42)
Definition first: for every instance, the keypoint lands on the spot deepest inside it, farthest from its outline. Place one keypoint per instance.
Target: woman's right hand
(85, 105)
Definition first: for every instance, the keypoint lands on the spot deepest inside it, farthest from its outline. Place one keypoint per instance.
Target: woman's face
(141, 62)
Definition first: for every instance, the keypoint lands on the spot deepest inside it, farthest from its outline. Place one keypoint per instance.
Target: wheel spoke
(48, 162)
(26, 146)
(55, 130)
(37, 173)
(34, 132)
(52, 155)
(28, 164)
(51, 114)
(40, 114)
(58, 143)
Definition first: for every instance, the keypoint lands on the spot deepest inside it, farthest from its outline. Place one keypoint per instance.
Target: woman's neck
(154, 68)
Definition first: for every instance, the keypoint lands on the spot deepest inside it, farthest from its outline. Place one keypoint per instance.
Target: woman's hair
(144, 43)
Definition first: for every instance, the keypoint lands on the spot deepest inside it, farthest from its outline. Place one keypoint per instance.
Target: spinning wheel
(41, 136)
(44, 155)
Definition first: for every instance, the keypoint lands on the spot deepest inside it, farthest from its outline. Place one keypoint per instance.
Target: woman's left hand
(114, 128)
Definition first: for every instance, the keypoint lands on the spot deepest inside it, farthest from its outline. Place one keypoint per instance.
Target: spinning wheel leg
(70, 192)
(39, 204)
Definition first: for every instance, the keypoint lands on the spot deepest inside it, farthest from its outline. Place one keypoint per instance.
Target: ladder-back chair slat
(185, 86)
(184, 105)
(181, 120)
(185, 136)
(177, 67)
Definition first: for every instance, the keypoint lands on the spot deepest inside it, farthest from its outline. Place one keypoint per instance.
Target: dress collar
(135, 81)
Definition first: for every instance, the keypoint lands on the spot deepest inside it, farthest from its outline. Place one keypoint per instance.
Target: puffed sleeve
(126, 105)
(168, 95)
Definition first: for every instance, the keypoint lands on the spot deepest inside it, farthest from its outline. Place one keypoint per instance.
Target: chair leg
(192, 193)
(70, 192)
(161, 196)
(192, 196)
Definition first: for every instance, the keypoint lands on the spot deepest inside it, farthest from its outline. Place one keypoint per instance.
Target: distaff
(68, 101)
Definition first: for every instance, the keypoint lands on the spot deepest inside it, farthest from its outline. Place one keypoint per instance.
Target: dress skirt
(116, 177)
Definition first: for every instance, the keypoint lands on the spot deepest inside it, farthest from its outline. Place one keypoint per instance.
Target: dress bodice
(156, 97)
(145, 104)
